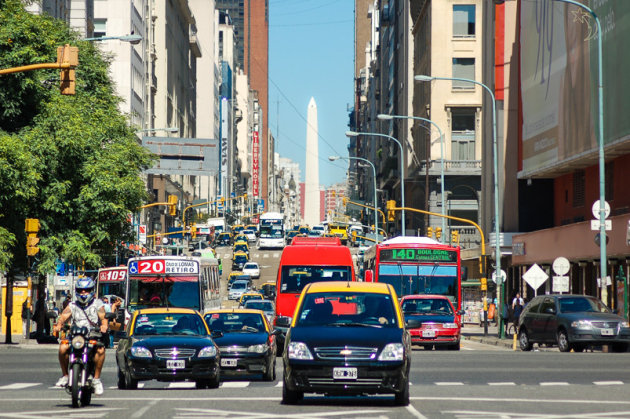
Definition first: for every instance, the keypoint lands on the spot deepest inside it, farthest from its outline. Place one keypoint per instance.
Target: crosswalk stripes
(278, 384)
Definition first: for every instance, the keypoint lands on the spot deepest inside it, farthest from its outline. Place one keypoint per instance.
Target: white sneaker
(97, 386)
(62, 382)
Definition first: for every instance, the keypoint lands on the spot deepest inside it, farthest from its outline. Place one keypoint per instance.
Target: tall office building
(251, 27)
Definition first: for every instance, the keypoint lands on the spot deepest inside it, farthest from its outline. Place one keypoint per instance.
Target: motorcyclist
(85, 311)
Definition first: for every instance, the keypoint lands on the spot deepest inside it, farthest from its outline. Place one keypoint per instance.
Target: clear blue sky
(311, 54)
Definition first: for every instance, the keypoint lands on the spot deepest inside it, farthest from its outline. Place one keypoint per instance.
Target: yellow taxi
(247, 344)
(347, 338)
(249, 296)
(240, 246)
(239, 259)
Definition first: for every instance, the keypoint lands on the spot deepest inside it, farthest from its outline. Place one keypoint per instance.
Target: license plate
(428, 333)
(608, 332)
(175, 364)
(345, 373)
(228, 362)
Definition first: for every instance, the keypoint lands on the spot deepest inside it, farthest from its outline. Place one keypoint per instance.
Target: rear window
(259, 305)
(295, 278)
(427, 306)
(235, 322)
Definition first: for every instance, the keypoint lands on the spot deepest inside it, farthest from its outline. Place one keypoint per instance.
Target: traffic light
(391, 215)
(438, 232)
(455, 237)
(172, 205)
(193, 230)
(68, 55)
(332, 193)
(430, 232)
(32, 228)
(344, 200)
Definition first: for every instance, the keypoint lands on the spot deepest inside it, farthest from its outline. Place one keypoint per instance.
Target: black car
(247, 344)
(347, 338)
(571, 322)
(167, 344)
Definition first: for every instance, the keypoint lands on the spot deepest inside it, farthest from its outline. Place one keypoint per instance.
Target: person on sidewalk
(26, 315)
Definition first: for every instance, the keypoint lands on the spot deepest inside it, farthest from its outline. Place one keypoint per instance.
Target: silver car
(238, 289)
(265, 306)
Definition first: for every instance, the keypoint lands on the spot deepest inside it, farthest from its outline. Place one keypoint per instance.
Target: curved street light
(387, 117)
(132, 39)
(168, 129)
(333, 158)
(402, 168)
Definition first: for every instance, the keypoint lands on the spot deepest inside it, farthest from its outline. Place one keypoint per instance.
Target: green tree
(71, 161)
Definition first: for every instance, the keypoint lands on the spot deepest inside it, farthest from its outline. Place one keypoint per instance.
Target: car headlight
(141, 352)
(449, 325)
(207, 352)
(78, 342)
(581, 324)
(392, 352)
(258, 349)
(624, 324)
(299, 350)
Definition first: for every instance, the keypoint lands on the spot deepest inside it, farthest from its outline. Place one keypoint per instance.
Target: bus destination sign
(418, 255)
(163, 266)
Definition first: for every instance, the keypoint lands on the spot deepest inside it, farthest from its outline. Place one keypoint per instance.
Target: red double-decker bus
(416, 265)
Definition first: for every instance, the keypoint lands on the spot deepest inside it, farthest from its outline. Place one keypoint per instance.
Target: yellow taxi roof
(166, 310)
(241, 242)
(252, 293)
(234, 310)
(239, 253)
(341, 286)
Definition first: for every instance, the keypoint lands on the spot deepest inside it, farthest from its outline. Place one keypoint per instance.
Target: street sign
(596, 209)
(142, 233)
(560, 284)
(596, 225)
(502, 279)
(561, 265)
(535, 276)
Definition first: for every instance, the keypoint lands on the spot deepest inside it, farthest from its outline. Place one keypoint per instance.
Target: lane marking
(19, 386)
(506, 383)
(449, 383)
(554, 383)
(608, 383)
(235, 384)
(415, 412)
(279, 384)
(140, 412)
(182, 384)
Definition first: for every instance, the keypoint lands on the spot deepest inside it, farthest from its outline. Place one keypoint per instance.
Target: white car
(319, 229)
(252, 269)
(251, 235)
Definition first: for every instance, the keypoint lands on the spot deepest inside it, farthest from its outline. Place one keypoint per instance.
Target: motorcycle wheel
(76, 385)
(86, 395)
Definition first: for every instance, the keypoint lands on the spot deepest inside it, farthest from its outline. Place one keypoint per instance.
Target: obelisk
(311, 182)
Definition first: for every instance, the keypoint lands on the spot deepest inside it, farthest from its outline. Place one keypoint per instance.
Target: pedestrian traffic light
(31, 226)
(391, 215)
(172, 205)
(430, 232)
(455, 237)
(438, 232)
(70, 56)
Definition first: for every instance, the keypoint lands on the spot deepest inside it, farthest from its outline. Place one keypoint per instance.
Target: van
(308, 260)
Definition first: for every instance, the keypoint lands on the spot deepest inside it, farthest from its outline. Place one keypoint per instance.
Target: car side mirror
(121, 335)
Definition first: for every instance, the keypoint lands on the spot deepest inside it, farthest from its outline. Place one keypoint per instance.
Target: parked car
(167, 344)
(247, 344)
(432, 321)
(347, 338)
(571, 322)
(253, 269)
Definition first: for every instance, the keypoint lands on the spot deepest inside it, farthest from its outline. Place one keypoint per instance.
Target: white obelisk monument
(311, 182)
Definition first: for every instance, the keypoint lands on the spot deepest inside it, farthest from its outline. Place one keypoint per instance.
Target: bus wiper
(402, 278)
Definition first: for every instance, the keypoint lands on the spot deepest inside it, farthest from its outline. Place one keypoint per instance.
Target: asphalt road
(480, 381)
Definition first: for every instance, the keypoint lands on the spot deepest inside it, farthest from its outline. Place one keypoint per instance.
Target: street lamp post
(169, 129)
(602, 161)
(333, 158)
(402, 167)
(132, 39)
(389, 117)
(497, 246)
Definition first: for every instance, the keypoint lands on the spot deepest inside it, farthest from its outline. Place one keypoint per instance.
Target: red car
(432, 321)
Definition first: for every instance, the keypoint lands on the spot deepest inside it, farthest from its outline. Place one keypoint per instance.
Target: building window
(463, 134)
(463, 68)
(464, 20)
(579, 183)
(100, 28)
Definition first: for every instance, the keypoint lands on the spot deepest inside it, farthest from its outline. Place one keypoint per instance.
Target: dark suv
(571, 322)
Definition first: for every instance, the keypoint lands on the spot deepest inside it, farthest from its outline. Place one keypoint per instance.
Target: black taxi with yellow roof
(167, 344)
(247, 343)
(347, 338)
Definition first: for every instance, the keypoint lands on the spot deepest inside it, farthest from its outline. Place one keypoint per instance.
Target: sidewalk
(475, 333)
(19, 341)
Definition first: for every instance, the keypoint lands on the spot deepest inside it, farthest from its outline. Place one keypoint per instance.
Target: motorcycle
(83, 343)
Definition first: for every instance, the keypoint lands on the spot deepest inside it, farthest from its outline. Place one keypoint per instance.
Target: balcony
(195, 48)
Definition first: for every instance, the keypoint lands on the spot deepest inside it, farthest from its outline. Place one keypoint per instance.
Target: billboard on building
(559, 76)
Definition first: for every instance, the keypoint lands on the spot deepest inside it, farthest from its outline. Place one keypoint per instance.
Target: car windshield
(582, 304)
(169, 324)
(295, 278)
(250, 266)
(259, 305)
(427, 306)
(347, 309)
(239, 285)
(235, 322)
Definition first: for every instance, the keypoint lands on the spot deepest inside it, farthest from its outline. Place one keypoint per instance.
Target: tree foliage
(71, 161)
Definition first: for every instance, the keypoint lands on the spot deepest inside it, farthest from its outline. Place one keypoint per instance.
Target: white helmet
(84, 284)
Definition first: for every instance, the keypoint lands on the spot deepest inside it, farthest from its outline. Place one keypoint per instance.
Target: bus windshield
(163, 291)
(295, 278)
(271, 231)
(420, 279)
